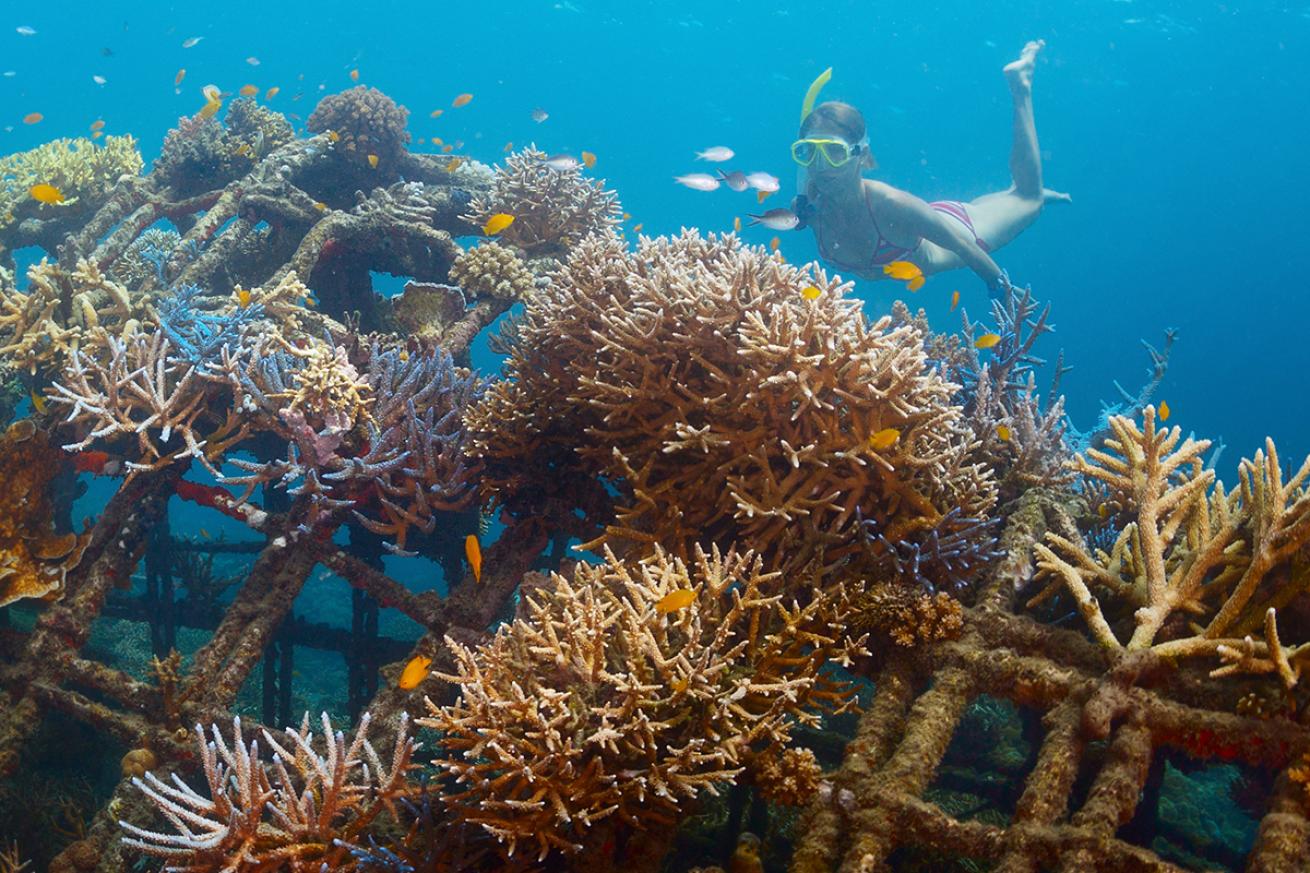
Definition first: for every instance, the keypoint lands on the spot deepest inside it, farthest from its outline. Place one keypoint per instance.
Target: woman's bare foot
(1019, 73)
(1051, 196)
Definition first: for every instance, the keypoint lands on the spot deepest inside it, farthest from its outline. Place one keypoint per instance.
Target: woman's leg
(998, 218)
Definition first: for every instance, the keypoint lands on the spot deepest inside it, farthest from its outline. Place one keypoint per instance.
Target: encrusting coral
(1196, 566)
(791, 777)
(553, 209)
(726, 406)
(34, 557)
(293, 814)
(604, 703)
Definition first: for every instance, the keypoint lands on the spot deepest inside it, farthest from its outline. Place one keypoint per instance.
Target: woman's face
(821, 170)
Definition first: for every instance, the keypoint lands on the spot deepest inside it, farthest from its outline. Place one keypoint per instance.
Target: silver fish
(561, 163)
(716, 153)
(762, 182)
(191, 42)
(99, 80)
(539, 115)
(698, 181)
(736, 180)
(776, 219)
(24, 30)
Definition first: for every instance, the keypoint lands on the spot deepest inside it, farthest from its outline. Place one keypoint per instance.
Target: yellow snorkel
(811, 95)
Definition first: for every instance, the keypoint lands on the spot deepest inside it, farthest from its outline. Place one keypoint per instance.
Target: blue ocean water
(1173, 123)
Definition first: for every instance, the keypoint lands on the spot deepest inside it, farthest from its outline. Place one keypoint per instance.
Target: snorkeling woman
(861, 225)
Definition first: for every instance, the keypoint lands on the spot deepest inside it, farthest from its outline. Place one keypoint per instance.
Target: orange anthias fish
(453, 165)
(986, 341)
(496, 223)
(916, 283)
(955, 300)
(675, 600)
(760, 196)
(248, 91)
(774, 243)
(47, 194)
(414, 673)
(884, 439)
(636, 228)
(39, 403)
(509, 147)
(210, 109)
(589, 159)
(354, 75)
(436, 113)
(32, 118)
(1164, 411)
(97, 124)
(473, 551)
(181, 74)
(462, 100)
(447, 149)
(271, 92)
(736, 224)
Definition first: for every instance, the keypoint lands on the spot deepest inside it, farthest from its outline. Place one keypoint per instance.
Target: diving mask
(836, 152)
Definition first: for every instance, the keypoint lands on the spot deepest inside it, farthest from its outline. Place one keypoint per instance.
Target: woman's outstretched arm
(916, 215)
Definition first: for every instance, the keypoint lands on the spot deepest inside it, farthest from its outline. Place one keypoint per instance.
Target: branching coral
(726, 405)
(34, 557)
(491, 270)
(791, 777)
(290, 814)
(41, 325)
(553, 209)
(366, 122)
(604, 702)
(1190, 549)
(83, 171)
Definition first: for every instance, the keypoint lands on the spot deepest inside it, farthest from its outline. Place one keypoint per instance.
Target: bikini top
(884, 251)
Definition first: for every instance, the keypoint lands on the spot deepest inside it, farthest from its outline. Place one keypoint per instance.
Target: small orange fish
(1103, 510)
(461, 100)
(271, 92)
(1164, 411)
(245, 150)
(436, 113)
(210, 109)
(884, 439)
(636, 228)
(1003, 432)
(414, 673)
(204, 533)
(32, 118)
(248, 91)
(47, 194)
(955, 300)
(986, 341)
(761, 196)
(91, 461)
(181, 74)
(916, 283)
(320, 206)
(473, 551)
(333, 136)
(902, 270)
(496, 223)
(97, 124)
(811, 292)
(736, 224)
(38, 403)
(354, 75)
(96, 134)
(454, 164)
(436, 140)
(627, 215)
(774, 243)
(243, 297)
(509, 147)
(589, 159)
(675, 600)
(447, 149)
(373, 161)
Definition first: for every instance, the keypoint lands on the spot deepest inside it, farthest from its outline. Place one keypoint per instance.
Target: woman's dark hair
(835, 115)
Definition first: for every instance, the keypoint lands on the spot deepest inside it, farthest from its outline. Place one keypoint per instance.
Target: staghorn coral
(553, 210)
(491, 270)
(58, 311)
(598, 704)
(791, 777)
(366, 122)
(907, 617)
(34, 557)
(725, 406)
(1192, 549)
(291, 814)
(83, 171)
